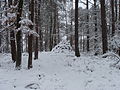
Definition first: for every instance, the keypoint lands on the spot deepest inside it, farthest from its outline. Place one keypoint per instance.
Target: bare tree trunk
(54, 28)
(36, 27)
(77, 53)
(116, 10)
(39, 23)
(46, 38)
(119, 21)
(104, 27)
(113, 17)
(71, 26)
(30, 37)
(12, 38)
(19, 36)
(7, 31)
(0, 27)
(51, 28)
(57, 27)
(96, 30)
(87, 7)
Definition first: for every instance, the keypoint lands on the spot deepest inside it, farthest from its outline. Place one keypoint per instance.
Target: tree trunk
(12, 38)
(40, 31)
(30, 37)
(119, 21)
(113, 17)
(51, 28)
(116, 10)
(7, 31)
(71, 26)
(19, 36)
(0, 28)
(36, 27)
(77, 53)
(104, 27)
(54, 28)
(87, 7)
(96, 30)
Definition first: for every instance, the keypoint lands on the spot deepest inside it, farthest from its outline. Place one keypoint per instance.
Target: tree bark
(119, 21)
(51, 28)
(77, 53)
(87, 7)
(36, 27)
(96, 30)
(19, 36)
(116, 10)
(30, 37)
(104, 27)
(12, 38)
(113, 17)
(54, 28)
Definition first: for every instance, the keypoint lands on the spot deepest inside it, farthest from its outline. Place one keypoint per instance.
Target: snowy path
(60, 72)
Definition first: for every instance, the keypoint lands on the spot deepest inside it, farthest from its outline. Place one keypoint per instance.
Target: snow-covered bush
(115, 42)
(63, 47)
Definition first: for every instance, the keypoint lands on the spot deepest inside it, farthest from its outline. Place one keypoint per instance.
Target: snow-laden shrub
(63, 47)
(115, 42)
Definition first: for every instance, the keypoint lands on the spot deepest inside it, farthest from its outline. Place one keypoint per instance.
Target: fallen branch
(112, 54)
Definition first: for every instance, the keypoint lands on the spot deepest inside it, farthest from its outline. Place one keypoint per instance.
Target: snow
(115, 41)
(60, 71)
(26, 22)
(63, 47)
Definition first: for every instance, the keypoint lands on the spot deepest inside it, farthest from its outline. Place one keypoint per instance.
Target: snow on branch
(7, 27)
(12, 7)
(63, 47)
(116, 64)
(59, 4)
(115, 42)
(26, 22)
(110, 54)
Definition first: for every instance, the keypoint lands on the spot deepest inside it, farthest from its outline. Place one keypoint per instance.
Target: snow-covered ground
(59, 71)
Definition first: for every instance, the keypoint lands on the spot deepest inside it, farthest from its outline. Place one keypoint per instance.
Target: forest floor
(59, 71)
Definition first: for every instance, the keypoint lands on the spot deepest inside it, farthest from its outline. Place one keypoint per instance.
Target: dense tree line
(38, 25)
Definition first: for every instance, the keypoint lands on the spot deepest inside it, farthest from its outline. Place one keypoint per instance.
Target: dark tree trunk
(13, 45)
(46, 38)
(0, 28)
(30, 37)
(113, 17)
(77, 53)
(119, 10)
(9, 2)
(57, 27)
(16, 2)
(87, 4)
(71, 26)
(40, 30)
(54, 28)
(116, 10)
(36, 27)
(12, 39)
(50, 46)
(51, 29)
(119, 21)
(7, 31)
(96, 29)
(19, 36)
(104, 27)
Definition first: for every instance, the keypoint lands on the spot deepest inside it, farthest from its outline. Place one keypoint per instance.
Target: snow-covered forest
(59, 44)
